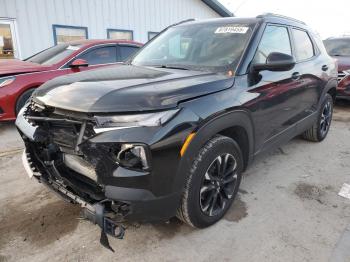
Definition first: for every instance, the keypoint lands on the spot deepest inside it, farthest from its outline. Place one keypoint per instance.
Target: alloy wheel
(219, 184)
(326, 118)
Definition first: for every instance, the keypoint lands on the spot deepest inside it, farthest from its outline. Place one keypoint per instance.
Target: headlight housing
(5, 81)
(107, 123)
(134, 156)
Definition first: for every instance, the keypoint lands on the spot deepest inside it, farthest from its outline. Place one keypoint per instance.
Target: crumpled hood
(15, 66)
(128, 89)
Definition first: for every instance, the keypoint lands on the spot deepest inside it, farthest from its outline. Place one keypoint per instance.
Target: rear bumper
(343, 92)
(343, 89)
(343, 97)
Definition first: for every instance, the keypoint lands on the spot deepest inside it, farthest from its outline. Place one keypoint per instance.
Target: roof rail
(183, 21)
(280, 16)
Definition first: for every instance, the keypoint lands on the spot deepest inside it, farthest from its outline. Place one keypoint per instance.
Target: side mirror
(79, 63)
(276, 62)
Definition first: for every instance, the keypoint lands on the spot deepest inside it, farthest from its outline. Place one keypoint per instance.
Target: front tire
(318, 132)
(212, 183)
(22, 100)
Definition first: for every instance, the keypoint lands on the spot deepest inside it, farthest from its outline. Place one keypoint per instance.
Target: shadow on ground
(38, 221)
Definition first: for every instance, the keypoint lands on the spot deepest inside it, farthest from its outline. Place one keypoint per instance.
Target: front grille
(60, 129)
(1, 111)
(56, 152)
(341, 76)
(64, 134)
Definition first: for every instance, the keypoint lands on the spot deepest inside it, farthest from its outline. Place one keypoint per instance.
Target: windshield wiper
(172, 67)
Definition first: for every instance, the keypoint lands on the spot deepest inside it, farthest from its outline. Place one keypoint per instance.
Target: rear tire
(318, 132)
(212, 183)
(22, 100)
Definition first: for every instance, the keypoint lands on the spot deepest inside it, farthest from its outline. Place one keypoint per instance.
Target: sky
(328, 18)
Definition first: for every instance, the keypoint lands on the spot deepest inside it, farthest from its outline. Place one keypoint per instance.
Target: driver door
(274, 109)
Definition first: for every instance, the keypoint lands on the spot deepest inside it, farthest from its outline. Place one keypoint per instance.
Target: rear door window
(304, 48)
(100, 55)
(275, 39)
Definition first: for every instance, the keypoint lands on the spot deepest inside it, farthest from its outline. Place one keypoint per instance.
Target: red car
(339, 48)
(18, 79)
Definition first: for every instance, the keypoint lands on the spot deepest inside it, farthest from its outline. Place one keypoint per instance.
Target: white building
(29, 26)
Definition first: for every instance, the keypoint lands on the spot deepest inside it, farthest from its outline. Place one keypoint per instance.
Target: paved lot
(288, 210)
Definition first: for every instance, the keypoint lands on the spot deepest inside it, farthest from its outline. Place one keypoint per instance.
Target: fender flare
(332, 83)
(237, 118)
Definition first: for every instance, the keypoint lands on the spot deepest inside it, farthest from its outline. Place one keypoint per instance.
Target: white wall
(36, 17)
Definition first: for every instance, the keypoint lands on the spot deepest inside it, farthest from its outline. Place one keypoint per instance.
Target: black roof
(281, 18)
(269, 17)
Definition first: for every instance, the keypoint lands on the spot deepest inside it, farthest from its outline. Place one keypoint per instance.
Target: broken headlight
(107, 123)
(134, 156)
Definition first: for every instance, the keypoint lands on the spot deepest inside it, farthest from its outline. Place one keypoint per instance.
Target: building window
(6, 41)
(120, 34)
(63, 33)
(152, 34)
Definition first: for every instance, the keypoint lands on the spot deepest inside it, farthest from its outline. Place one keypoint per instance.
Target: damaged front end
(59, 155)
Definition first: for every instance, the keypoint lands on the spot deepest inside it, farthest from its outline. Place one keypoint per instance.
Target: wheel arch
(330, 88)
(236, 125)
(333, 92)
(19, 96)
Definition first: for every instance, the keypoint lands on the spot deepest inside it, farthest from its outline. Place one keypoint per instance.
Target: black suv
(170, 132)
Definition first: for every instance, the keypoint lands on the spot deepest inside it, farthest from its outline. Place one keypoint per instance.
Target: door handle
(324, 68)
(296, 76)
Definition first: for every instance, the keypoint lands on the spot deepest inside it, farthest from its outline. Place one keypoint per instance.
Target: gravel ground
(287, 210)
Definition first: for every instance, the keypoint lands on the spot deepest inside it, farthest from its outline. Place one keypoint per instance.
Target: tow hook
(107, 225)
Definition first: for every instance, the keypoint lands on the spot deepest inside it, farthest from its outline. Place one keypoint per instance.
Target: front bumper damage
(60, 154)
(110, 223)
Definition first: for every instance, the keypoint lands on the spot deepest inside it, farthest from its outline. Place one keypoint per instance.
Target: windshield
(53, 55)
(212, 47)
(338, 47)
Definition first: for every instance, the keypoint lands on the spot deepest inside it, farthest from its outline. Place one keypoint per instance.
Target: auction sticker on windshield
(232, 30)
